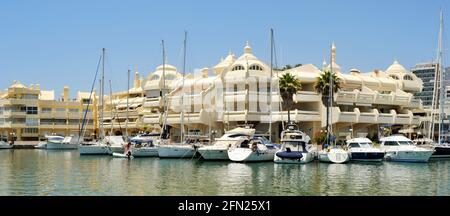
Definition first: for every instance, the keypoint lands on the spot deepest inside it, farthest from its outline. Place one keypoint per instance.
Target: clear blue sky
(57, 43)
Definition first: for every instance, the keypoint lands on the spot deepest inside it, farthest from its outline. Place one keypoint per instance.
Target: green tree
(289, 85)
(323, 87)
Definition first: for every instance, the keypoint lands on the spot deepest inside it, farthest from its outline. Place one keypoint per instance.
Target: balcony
(415, 103)
(416, 120)
(368, 117)
(307, 96)
(403, 119)
(154, 102)
(402, 100)
(339, 116)
(384, 99)
(345, 97)
(154, 118)
(365, 99)
(296, 115)
(387, 118)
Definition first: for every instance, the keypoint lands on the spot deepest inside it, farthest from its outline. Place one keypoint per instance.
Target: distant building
(28, 113)
(426, 72)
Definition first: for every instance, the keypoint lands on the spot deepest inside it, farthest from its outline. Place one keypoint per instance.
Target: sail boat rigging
(99, 147)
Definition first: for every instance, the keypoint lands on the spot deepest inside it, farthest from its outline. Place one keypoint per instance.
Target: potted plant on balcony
(289, 85)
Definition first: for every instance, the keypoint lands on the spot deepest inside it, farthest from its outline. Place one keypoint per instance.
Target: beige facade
(28, 113)
(241, 91)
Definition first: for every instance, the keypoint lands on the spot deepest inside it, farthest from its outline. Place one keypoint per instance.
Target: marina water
(40, 172)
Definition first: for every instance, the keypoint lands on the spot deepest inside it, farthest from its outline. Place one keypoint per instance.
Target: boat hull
(117, 149)
(121, 155)
(367, 156)
(306, 158)
(248, 155)
(94, 150)
(441, 152)
(5, 145)
(337, 156)
(214, 154)
(408, 156)
(145, 152)
(176, 151)
(60, 146)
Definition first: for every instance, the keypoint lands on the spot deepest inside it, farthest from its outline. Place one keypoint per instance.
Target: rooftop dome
(166, 67)
(248, 55)
(396, 67)
(17, 84)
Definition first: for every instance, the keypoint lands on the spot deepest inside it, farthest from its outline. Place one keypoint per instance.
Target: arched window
(170, 77)
(155, 77)
(256, 67)
(394, 77)
(408, 77)
(238, 67)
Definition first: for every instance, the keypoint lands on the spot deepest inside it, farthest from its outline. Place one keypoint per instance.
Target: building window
(30, 130)
(74, 122)
(46, 122)
(60, 109)
(74, 110)
(394, 77)
(256, 67)
(30, 96)
(155, 77)
(46, 110)
(31, 122)
(238, 67)
(32, 110)
(408, 77)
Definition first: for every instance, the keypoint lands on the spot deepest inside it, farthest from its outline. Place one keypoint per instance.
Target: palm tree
(289, 85)
(323, 87)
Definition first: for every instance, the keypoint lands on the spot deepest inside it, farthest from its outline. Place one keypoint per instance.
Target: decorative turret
(137, 80)
(205, 72)
(66, 94)
(247, 48)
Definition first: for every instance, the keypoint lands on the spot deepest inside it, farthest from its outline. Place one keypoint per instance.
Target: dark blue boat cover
(290, 155)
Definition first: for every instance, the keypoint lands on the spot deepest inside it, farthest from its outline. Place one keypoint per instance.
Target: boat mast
(163, 89)
(330, 98)
(441, 81)
(182, 89)
(270, 85)
(102, 131)
(128, 96)
(111, 108)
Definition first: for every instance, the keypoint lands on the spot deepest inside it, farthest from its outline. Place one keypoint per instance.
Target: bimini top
(397, 137)
(359, 140)
(244, 131)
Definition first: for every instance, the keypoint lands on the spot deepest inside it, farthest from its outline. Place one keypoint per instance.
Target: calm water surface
(40, 172)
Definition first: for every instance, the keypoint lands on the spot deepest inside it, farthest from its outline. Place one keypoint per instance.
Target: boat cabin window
(405, 142)
(297, 137)
(390, 143)
(354, 145)
(365, 145)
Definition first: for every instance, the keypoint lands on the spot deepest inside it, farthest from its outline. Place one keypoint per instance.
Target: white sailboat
(251, 150)
(219, 149)
(186, 148)
(332, 154)
(98, 147)
(295, 147)
(61, 143)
